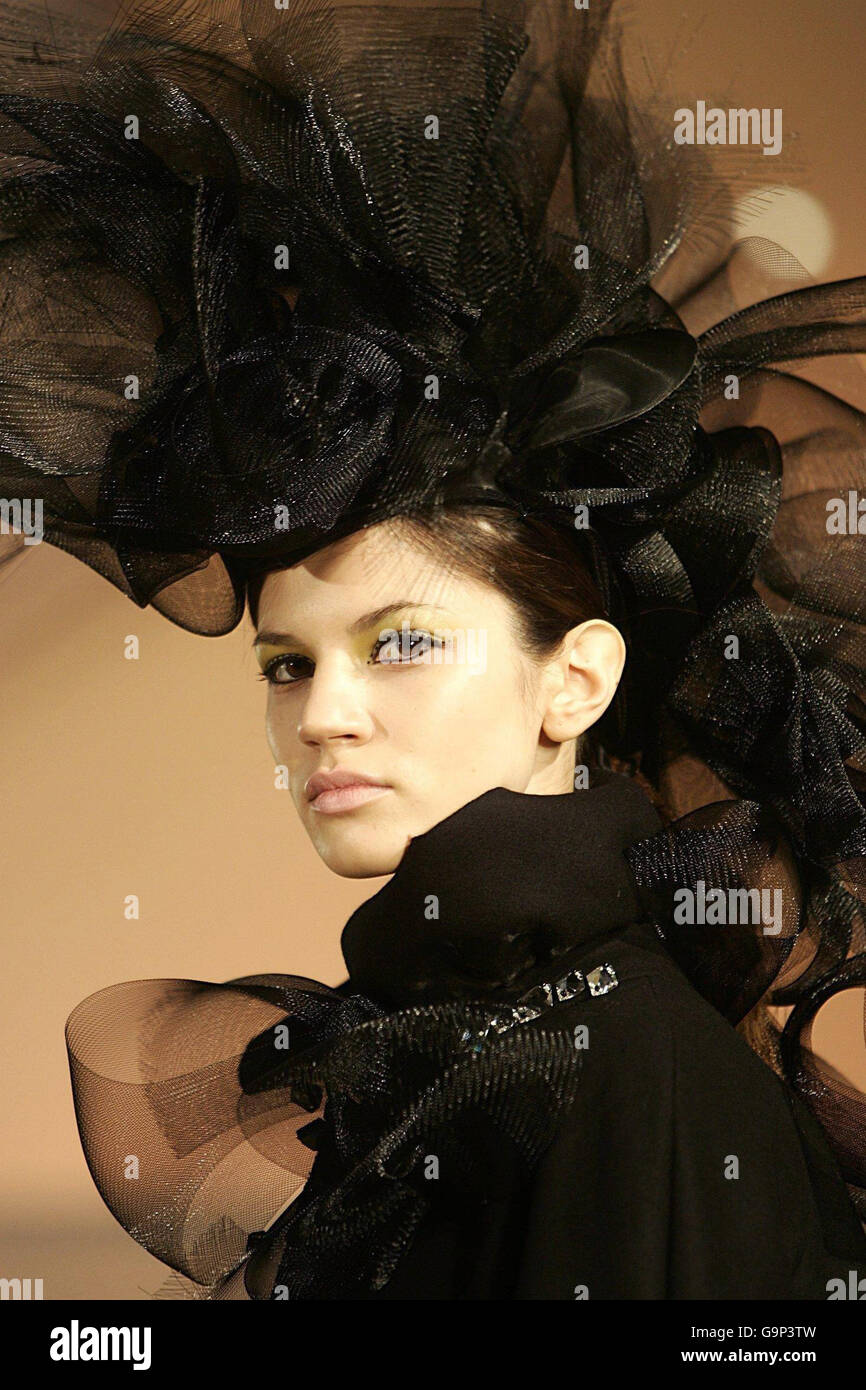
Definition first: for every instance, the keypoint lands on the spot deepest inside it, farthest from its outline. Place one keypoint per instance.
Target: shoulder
(655, 1025)
(669, 1088)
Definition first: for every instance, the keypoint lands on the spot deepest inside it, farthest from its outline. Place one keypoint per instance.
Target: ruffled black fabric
(197, 1131)
(219, 340)
(197, 1128)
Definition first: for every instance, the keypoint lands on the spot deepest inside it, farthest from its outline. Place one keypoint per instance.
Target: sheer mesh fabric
(194, 1101)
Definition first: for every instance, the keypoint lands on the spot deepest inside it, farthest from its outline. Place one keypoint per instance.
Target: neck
(554, 775)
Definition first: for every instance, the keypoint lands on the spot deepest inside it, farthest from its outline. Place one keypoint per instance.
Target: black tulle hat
(273, 275)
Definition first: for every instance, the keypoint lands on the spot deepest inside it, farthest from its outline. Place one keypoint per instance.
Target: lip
(342, 790)
(346, 798)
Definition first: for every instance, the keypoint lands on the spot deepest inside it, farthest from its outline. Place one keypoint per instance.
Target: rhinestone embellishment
(601, 980)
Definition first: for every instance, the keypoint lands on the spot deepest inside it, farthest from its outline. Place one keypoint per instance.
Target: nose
(334, 709)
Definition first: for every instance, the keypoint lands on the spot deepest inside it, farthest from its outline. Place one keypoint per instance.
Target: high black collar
(501, 892)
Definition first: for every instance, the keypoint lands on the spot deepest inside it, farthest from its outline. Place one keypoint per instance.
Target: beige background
(154, 777)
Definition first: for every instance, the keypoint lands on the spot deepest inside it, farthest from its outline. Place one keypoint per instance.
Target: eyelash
(276, 661)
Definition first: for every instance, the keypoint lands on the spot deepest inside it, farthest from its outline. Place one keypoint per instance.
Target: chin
(362, 865)
(356, 854)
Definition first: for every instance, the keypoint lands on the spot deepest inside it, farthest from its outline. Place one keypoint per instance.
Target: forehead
(369, 568)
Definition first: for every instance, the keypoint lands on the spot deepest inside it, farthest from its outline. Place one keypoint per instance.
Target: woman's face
(384, 665)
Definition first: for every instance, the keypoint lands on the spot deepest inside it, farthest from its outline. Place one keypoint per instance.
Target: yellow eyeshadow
(267, 651)
(417, 619)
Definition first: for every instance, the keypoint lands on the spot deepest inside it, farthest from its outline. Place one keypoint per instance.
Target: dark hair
(541, 568)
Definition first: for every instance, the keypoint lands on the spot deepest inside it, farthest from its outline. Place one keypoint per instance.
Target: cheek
(451, 709)
(281, 727)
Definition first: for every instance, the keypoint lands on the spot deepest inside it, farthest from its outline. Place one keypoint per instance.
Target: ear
(582, 679)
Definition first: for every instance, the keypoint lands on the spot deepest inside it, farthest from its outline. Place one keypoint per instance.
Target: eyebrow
(278, 639)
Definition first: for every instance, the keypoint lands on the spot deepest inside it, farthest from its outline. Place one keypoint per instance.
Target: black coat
(684, 1168)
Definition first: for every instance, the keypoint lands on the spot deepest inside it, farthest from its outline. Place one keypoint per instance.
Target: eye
(403, 650)
(413, 645)
(283, 669)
